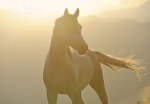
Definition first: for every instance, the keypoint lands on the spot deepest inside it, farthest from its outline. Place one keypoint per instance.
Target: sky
(57, 6)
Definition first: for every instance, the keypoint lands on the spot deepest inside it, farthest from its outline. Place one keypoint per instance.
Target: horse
(70, 65)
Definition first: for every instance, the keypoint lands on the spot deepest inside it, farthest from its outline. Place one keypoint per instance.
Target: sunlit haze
(57, 6)
(113, 27)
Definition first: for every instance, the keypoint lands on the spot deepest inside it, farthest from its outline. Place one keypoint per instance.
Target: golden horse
(69, 72)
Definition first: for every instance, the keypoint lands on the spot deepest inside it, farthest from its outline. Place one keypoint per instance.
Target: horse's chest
(61, 75)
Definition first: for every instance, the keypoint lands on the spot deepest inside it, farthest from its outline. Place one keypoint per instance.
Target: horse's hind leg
(97, 83)
(52, 97)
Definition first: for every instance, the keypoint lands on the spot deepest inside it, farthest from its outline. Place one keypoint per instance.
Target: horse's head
(69, 31)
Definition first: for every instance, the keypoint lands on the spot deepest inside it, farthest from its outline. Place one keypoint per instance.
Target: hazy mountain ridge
(139, 13)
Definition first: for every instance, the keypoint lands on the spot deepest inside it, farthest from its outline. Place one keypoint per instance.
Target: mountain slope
(140, 13)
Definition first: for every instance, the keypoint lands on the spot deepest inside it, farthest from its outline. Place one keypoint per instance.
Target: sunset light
(57, 6)
(74, 52)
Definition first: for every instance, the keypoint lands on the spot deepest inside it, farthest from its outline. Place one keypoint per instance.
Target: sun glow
(44, 6)
(58, 6)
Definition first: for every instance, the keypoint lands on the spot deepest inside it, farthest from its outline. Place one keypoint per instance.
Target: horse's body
(74, 69)
(68, 72)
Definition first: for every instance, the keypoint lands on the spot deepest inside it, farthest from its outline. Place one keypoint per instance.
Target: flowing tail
(118, 63)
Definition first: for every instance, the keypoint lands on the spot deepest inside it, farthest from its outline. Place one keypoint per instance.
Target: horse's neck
(57, 50)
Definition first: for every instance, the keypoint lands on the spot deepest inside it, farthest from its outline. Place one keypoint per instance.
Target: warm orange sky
(57, 6)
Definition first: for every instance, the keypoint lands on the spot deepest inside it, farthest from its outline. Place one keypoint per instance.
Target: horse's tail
(117, 63)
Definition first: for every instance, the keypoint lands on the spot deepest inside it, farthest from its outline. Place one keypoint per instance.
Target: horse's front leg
(52, 97)
(75, 95)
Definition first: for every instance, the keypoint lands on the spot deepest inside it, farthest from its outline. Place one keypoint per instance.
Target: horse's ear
(76, 14)
(66, 12)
